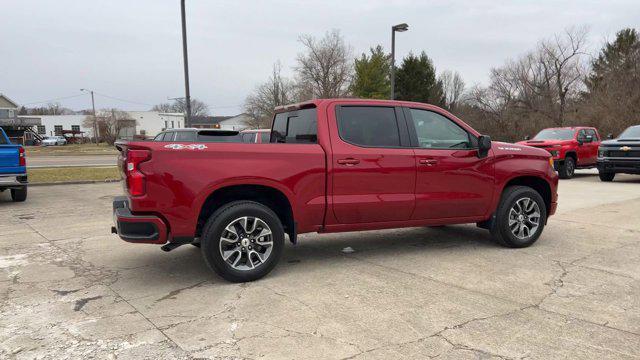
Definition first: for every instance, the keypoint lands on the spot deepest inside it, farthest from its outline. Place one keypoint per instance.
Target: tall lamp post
(399, 28)
(187, 120)
(95, 120)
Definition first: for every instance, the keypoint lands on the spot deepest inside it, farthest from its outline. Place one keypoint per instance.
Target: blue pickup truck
(13, 168)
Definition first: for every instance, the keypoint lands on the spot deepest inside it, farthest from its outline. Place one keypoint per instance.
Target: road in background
(71, 161)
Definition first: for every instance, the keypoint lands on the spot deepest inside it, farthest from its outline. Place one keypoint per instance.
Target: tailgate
(10, 159)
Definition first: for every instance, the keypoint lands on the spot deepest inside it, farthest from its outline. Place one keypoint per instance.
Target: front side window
(186, 136)
(295, 127)
(370, 126)
(435, 131)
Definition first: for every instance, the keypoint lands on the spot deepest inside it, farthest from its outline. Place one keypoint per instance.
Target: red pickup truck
(332, 165)
(571, 147)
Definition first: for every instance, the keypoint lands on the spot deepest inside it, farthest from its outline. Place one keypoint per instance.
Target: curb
(75, 182)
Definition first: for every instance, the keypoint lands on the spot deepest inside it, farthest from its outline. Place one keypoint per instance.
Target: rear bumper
(12, 181)
(627, 166)
(148, 229)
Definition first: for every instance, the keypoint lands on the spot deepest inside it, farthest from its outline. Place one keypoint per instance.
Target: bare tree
(326, 68)
(276, 91)
(113, 124)
(198, 108)
(452, 88)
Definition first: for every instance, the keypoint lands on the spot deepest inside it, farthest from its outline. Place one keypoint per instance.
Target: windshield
(631, 133)
(555, 134)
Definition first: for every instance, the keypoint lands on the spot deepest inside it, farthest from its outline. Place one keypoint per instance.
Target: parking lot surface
(70, 289)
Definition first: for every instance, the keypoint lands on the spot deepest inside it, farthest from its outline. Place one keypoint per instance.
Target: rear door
(451, 180)
(373, 166)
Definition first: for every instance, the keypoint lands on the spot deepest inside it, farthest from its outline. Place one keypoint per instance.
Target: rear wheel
(520, 217)
(242, 241)
(606, 176)
(568, 168)
(19, 195)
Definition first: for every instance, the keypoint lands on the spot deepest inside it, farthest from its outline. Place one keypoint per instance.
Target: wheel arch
(539, 184)
(273, 198)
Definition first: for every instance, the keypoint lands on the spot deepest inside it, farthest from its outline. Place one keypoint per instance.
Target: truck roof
(317, 102)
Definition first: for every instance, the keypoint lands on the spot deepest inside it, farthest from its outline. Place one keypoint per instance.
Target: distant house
(237, 122)
(18, 128)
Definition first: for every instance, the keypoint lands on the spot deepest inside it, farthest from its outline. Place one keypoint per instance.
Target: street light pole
(95, 120)
(399, 28)
(187, 120)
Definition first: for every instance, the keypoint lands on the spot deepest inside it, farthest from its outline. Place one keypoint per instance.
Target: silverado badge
(625, 148)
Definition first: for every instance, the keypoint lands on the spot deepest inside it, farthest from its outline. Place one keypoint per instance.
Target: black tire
(500, 227)
(19, 195)
(213, 230)
(568, 168)
(606, 176)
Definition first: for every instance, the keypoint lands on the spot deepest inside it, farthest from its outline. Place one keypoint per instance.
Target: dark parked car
(620, 155)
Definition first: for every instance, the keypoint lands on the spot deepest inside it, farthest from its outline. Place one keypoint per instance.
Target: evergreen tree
(416, 81)
(371, 79)
(620, 56)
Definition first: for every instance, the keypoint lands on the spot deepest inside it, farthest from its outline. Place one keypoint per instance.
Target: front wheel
(242, 241)
(19, 195)
(567, 169)
(520, 217)
(606, 176)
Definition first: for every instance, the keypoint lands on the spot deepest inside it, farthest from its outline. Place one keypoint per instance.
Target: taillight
(23, 158)
(136, 181)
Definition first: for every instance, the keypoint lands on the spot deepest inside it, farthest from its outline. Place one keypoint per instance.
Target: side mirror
(484, 144)
(527, 137)
(610, 136)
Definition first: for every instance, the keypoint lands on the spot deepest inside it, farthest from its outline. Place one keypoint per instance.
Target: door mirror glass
(610, 136)
(527, 137)
(484, 145)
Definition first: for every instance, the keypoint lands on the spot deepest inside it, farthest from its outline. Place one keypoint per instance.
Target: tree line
(557, 83)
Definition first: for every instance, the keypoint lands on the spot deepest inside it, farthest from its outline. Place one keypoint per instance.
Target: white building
(148, 123)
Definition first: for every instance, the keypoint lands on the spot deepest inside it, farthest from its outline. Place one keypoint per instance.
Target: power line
(50, 100)
(123, 100)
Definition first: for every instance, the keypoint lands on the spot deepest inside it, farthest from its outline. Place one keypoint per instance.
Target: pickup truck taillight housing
(22, 156)
(136, 179)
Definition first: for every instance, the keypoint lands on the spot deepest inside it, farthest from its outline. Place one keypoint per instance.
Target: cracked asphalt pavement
(70, 289)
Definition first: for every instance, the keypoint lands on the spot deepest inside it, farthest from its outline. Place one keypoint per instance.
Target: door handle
(348, 161)
(428, 162)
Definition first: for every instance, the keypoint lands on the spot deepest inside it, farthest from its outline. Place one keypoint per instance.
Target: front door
(451, 182)
(374, 168)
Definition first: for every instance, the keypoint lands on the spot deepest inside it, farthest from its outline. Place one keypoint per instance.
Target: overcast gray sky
(131, 50)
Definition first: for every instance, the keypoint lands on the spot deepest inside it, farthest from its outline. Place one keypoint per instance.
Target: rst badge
(186, 147)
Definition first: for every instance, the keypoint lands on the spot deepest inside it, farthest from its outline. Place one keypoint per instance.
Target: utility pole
(187, 120)
(95, 119)
(398, 28)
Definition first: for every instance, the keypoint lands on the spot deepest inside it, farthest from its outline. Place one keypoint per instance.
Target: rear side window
(186, 136)
(168, 136)
(159, 137)
(249, 137)
(265, 137)
(373, 126)
(297, 127)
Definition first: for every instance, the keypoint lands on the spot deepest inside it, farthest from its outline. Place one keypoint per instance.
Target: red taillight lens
(23, 158)
(136, 181)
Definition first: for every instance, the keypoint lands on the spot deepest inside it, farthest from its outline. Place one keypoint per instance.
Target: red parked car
(257, 136)
(571, 147)
(332, 165)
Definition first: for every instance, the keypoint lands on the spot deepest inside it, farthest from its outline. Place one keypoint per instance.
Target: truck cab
(13, 168)
(571, 147)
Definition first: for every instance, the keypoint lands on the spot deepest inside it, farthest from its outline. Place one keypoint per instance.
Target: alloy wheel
(246, 243)
(524, 218)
